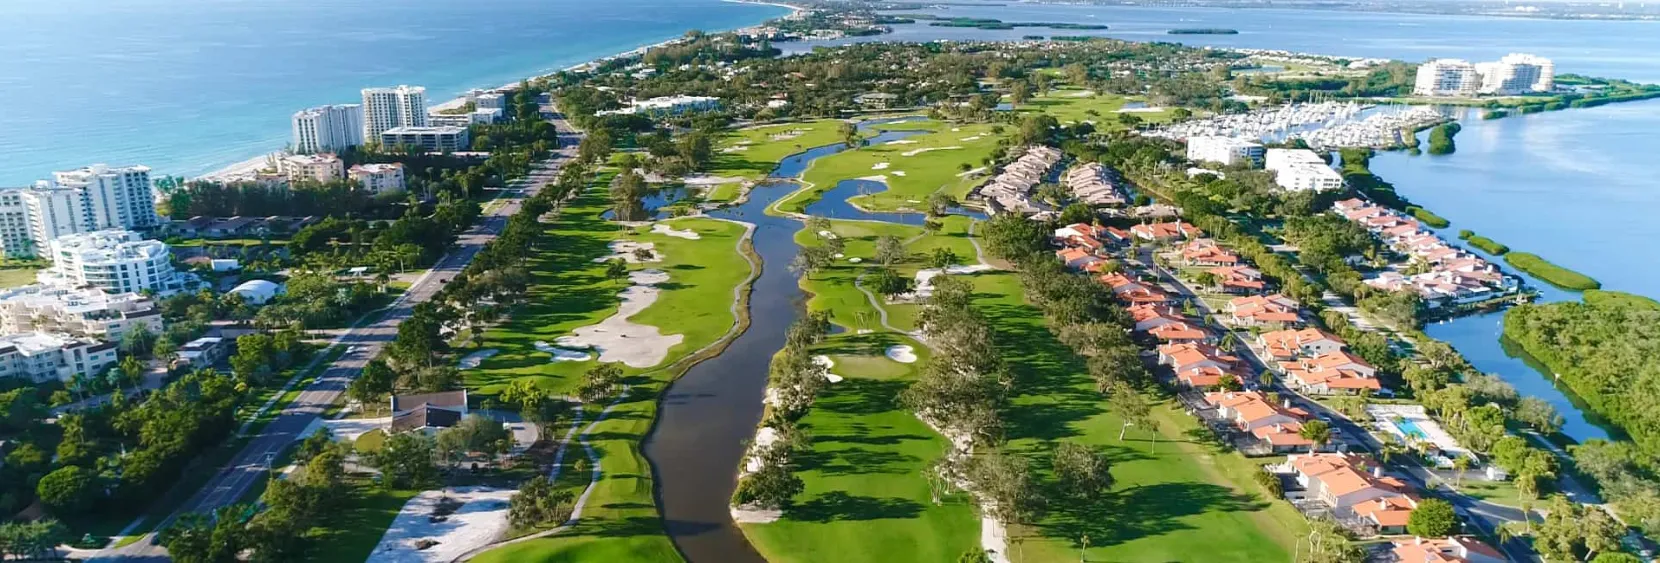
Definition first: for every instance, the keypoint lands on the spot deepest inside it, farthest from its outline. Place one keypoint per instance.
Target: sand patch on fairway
(755, 515)
(673, 232)
(899, 173)
(879, 166)
(914, 152)
(562, 354)
(705, 180)
(1139, 110)
(739, 148)
(471, 361)
(972, 172)
(973, 138)
(901, 142)
(619, 340)
(624, 250)
(877, 178)
(827, 234)
(787, 135)
(1083, 94)
(902, 353)
(827, 363)
(480, 520)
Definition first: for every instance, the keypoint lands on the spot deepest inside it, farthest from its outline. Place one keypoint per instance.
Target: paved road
(364, 343)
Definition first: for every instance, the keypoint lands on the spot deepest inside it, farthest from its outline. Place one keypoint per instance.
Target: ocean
(190, 86)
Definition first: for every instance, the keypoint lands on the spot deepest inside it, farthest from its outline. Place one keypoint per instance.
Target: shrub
(1551, 273)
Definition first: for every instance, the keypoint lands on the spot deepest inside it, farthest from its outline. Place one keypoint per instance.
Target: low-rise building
(1456, 549)
(667, 105)
(1301, 170)
(83, 312)
(429, 139)
(1095, 185)
(1224, 150)
(1343, 480)
(204, 352)
(115, 261)
(1288, 345)
(320, 168)
(1335, 372)
(257, 292)
(876, 100)
(1278, 427)
(1238, 279)
(1175, 230)
(43, 356)
(1275, 311)
(428, 412)
(379, 178)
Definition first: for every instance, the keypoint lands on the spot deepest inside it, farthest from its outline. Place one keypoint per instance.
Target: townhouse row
(1452, 276)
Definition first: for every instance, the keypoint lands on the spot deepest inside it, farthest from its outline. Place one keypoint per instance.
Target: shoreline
(244, 167)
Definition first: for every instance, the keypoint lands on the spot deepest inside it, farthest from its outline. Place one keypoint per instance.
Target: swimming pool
(1410, 429)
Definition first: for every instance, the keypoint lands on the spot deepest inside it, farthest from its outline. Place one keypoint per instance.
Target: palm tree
(1316, 431)
(1461, 464)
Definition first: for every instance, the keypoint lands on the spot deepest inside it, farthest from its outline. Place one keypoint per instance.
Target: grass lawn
(866, 498)
(1179, 499)
(912, 171)
(620, 521)
(354, 530)
(754, 151)
(1069, 105)
(833, 290)
(1499, 492)
(14, 277)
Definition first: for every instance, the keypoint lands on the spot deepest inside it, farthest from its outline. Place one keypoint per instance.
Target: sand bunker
(899, 173)
(1083, 94)
(855, 259)
(902, 142)
(973, 138)
(902, 353)
(956, 129)
(673, 232)
(787, 135)
(730, 150)
(1139, 110)
(481, 519)
(705, 180)
(876, 178)
(827, 234)
(925, 279)
(915, 152)
(827, 363)
(619, 340)
(473, 360)
(973, 172)
(562, 354)
(624, 250)
(880, 166)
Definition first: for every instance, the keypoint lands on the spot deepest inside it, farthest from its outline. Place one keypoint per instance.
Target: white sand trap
(956, 129)
(972, 172)
(1083, 94)
(879, 166)
(730, 150)
(902, 142)
(973, 138)
(764, 438)
(902, 353)
(481, 519)
(624, 250)
(914, 152)
(855, 259)
(787, 135)
(673, 232)
(1139, 110)
(863, 331)
(899, 173)
(471, 361)
(877, 178)
(347, 429)
(705, 180)
(755, 515)
(838, 255)
(619, 340)
(562, 354)
(823, 360)
(833, 378)
(925, 278)
(827, 234)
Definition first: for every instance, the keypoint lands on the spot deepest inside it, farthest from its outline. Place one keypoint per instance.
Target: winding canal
(707, 416)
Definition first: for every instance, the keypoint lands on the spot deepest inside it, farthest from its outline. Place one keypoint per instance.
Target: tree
(376, 381)
(132, 370)
(1019, 92)
(1005, 481)
(1576, 532)
(600, 383)
(850, 134)
(138, 341)
(1540, 415)
(810, 260)
(1433, 518)
(538, 503)
(201, 538)
(941, 258)
(1130, 406)
(68, 490)
(1461, 464)
(940, 203)
(406, 460)
(889, 250)
(772, 486)
(1083, 473)
(616, 269)
(1316, 431)
(889, 283)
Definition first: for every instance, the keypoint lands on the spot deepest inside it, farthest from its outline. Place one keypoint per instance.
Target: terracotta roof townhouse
(1133, 291)
(1351, 203)
(1079, 259)
(1191, 355)
(1178, 333)
(1205, 252)
(1456, 549)
(1274, 310)
(1335, 372)
(1292, 344)
(1343, 480)
(1388, 514)
(1166, 231)
(1277, 426)
(1238, 279)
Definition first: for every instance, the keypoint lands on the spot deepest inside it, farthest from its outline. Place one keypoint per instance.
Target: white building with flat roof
(328, 128)
(430, 139)
(1447, 77)
(491, 100)
(114, 197)
(667, 105)
(320, 168)
(378, 178)
(86, 312)
(42, 356)
(115, 261)
(15, 239)
(1300, 170)
(1224, 150)
(389, 108)
(1517, 73)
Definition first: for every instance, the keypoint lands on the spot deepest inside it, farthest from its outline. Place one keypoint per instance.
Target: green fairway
(866, 498)
(753, 152)
(913, 168)
(1073, 105)
(1179, 501)
(354, 530)
(833, 288)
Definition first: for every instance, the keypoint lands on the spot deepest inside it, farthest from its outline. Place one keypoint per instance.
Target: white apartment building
(52, 212)
(430, 139)
(115, 261)
(1301, 170)
(1447, 77)
(1224, 150)
(42, 357)
(491, 100)
(86, 312)
(475, 117)
(328, 128)
(390, 108)
(15, 241)
(378, 178)
(667, 105)
(113, 197)
(320, 168)
(1517, 73)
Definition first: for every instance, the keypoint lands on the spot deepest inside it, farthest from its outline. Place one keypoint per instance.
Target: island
(1203, 31)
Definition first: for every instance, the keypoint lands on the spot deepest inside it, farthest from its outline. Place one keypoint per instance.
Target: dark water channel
(709, 414)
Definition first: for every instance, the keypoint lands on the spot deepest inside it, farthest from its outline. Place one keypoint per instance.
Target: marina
(1322, 125)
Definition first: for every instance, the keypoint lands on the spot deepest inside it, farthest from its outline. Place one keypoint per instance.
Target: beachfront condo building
(390, 108)
(378, 178)
(76, 201)
(328, 128)
(1226, 151)
(116, 261)
(114, 197)
(1447, 77)
(429, 139)
(43, 356)
(1300, 170)
(1517, 73)
(320, 168)
(15, 241)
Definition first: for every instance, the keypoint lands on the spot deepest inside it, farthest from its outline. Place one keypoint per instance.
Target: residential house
(1238, 279)
(1335, 372)
(1187, 356)
(1080, 259)
(1344, 480)
(204, 352)
(1095, 185)
(428, 412)
(1456, 549)
(1388, 515)
(1134, 291)
(1285, 345)
(1148, 316)
(1276, 311)
(1205, 252)
(1279, 427)
(1175, 230)
(1181, 333)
